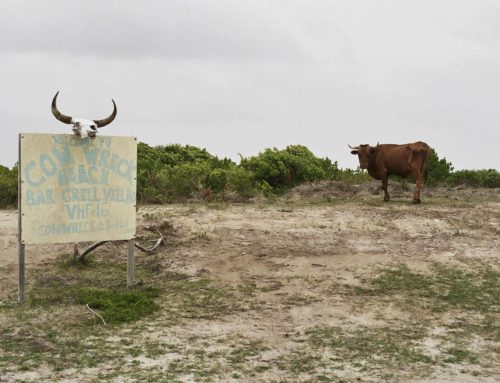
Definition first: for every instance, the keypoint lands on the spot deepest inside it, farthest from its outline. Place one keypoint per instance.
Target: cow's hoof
(416, 201)
(386, 199)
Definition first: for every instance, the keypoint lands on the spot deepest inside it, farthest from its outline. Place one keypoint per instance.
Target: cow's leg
(418, 186)
(384, 186)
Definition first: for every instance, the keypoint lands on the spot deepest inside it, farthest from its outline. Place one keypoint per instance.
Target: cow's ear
(354, 152)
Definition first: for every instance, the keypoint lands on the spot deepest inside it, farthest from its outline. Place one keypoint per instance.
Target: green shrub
(437, 170)
(265, 188)
(488, 178)
(148, 182)
(182, 181)
(169, 173)
(353, 176)
(217, 180)
(175, 172)
(440, 172)
(268, 166)
(175, 154)
(233, 179)
(282, 169)
(8, 186)
(241, 181)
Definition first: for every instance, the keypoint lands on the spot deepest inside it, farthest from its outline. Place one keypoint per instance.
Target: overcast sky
(239, 76)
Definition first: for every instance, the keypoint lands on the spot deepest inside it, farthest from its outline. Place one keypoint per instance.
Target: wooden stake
(21, 247)
(20, 297)
(130, 263)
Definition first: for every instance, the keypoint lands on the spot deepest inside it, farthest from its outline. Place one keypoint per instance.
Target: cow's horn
(61, 117)
(353, 147)
(109, 120)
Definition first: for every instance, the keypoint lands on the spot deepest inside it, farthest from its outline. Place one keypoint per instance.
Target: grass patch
(473, 298)
(100, 283)
(473, 291)
(55, 328)
(296, 300)
(388, 346)
(302, 362)
(248, 350)
(199, 299)
(32, 346)
(459, 355)
(118, 306)
(201, 366)
(402, 279)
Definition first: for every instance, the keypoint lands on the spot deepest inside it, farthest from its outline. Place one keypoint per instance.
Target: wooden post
(21, 246)
(20, 297)
(130, 263)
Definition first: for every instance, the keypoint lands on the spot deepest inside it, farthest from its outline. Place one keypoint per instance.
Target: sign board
(76, 189)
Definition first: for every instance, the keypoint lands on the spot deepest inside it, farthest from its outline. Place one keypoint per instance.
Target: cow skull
(82, 127)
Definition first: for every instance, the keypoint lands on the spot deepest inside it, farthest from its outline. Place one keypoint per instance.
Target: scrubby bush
(488, 178)
(175, 154)
(241, 181)
(169, 173)
(184, 180)
(353, 176)
(234, 179)
(440, 172)
(175, 172)
(282, 169)
(437, 170)
(8, 186)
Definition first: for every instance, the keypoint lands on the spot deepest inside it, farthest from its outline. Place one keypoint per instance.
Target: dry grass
(305, 290)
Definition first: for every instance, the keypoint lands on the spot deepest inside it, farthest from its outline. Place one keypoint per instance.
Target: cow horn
(109, 120)
(61, 117)
(353, 147)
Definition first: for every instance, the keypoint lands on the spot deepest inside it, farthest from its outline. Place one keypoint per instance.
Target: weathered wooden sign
(74, 189)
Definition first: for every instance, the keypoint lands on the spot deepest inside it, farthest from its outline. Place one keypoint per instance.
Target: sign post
(130, 263)
(21, 247)
(74, 189)
(20, 297)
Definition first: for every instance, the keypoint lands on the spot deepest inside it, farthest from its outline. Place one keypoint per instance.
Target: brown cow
(399, 160)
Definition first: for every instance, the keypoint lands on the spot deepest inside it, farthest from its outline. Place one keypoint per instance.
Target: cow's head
(364, 152)
(82, 127)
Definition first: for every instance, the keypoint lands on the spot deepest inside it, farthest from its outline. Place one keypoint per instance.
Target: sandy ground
(293, 252)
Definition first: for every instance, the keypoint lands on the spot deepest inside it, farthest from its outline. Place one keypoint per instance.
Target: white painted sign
(75, 189)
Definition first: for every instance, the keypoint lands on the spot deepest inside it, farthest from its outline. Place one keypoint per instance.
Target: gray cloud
(128, 29)
(236, 77)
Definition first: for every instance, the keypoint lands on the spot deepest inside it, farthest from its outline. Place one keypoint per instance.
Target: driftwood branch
(103, 321)
(79, 257)
(152, 249)
(87, 250)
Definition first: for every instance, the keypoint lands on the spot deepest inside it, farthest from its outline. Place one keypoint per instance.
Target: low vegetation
(74, 308)
(68, 338)
(8, 186)
(476, 290)
(173, 173)
(292, 291)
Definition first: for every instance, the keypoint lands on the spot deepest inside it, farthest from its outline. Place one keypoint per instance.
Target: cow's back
(399, 160)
